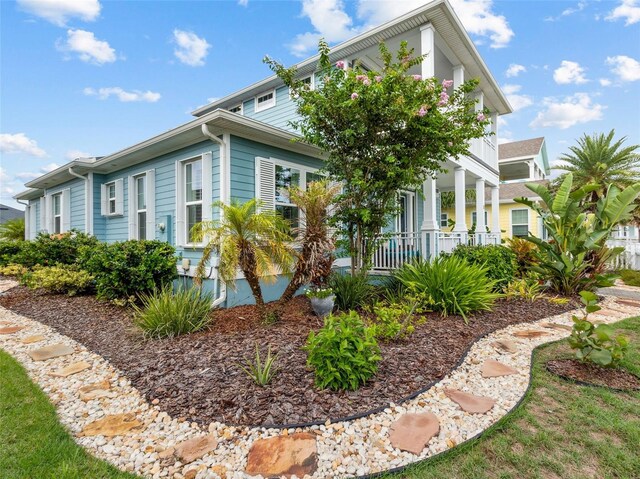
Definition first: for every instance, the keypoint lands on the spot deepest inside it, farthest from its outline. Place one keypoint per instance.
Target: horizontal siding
(279, 115)
(505, 218)
(35, 210)
(99, 222)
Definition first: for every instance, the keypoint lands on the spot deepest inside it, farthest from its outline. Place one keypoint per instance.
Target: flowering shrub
(320, 293)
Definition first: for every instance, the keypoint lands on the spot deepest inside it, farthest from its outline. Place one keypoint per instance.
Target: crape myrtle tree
(382, 132)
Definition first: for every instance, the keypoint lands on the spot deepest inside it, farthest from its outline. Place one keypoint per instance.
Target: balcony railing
(396, 249)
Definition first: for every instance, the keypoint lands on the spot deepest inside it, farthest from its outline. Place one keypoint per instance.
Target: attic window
(236, 109)
(265, 100)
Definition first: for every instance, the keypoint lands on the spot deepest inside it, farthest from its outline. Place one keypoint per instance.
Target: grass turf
(561, 431)
(33, 443)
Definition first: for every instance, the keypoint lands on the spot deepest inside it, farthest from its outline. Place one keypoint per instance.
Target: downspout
(223, 197)
(87, 210)
(26, 225)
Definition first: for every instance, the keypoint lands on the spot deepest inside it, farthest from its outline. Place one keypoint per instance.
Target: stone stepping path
(50, 352)
(530, 334)
(283, 456)
(36, 338)
(110, 418)
(494, 369)
(469, 402)
(412, 432)
(70, 369)
(11, 329)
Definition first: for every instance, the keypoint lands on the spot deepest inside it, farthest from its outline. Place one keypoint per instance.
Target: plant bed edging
(345, 449)
(582, 382)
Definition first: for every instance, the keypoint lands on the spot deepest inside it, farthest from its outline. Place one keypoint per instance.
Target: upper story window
(265, 100)
(308, 83)
(111, 195)
(57, 213)
(237, 109)
(193, 196)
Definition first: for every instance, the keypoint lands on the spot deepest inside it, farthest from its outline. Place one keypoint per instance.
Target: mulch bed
(197, 376)
(594, 375)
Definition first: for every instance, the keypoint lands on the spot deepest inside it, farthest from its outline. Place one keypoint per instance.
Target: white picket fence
(630, 257)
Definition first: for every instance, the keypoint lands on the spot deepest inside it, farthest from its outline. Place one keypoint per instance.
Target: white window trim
(486, 216)
(181, 203)
(118, 198)
(411, 212)
(54, 215)
(149, 198)
(312, 84)
(241, 106)
(511, 225)
(264, 106)
(285, 164)
(446, 220)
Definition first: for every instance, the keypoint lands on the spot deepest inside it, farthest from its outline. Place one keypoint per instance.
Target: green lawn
(561, 431)
(33, 444)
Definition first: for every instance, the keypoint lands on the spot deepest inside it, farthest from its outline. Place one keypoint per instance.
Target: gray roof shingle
(516, 149)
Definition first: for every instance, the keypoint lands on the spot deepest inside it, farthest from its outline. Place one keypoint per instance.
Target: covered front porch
(420, 230)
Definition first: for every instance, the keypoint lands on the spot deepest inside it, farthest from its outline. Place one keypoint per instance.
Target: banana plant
(575, 257)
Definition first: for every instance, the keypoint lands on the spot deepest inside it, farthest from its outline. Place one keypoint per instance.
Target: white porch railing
(630, 257)
(396, 249)
(448, 241)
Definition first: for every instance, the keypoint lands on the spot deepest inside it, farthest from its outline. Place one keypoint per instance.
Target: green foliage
(396, 320)
(630, 277)
(319, 293)
(12, 230)
(499, 261)
(526, 254)
(344, 353)
(261, 372)
(13, 269)
(165, 313)
(575, 257)
(596, 343)
(124, 270)
(394, 128)
(10, 251)
(62, 279)
(526, 288)
(452, 285)
(352, 292)
(48, 250)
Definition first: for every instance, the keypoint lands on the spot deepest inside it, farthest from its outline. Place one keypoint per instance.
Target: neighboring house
(239, 147)
(524, 160)
(8, 213)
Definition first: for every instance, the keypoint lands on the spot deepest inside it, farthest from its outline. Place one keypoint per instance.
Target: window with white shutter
(112, 198)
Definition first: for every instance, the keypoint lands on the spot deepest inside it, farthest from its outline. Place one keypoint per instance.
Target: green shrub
(526, 288)
(630, 277)
(9, 251)
(13, 269)
(352, 292)
(499, 261)
(62, 279)
(344, 353)
(526, 254)
(596, 343)
(452, 285)
(127, 269)
(396, 320)
(166, 313)
(261, 372)
(49, 250)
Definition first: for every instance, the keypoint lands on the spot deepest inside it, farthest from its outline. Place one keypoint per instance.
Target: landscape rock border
(356, 448)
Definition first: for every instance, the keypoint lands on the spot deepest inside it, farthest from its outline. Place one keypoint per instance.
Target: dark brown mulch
(593, 374)
(197, 376)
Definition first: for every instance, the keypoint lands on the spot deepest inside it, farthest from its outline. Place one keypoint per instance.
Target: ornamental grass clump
(259, 370)
(344, 353)
(452, 285)
(352, 292)
(165, 313)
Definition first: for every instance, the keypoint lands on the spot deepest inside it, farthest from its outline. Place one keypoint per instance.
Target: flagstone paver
(283, 456)
(470, 402)
(50, 352)
(564, 327)
(95, 391)
(71, 369)
(192, 449)
(11, 329)
(530, 333)
(36, 338)
(112, 425)
(506, 346)
(412, 432)
(493, 369)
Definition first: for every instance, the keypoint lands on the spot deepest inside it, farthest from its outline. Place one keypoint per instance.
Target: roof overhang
(447, 24)
(30, 194)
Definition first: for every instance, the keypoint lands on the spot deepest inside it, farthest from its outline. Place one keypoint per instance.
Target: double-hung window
(111, 198)
(287, 177)
(193, 196)
(56, 201)
(141, 206)
(519, 222)
(444, 220)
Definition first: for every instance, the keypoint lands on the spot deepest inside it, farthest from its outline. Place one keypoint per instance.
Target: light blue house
(240, 147)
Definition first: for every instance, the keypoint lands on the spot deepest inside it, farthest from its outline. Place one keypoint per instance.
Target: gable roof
(437, 12)
(510, 191)
(517, 149)
(9, 213)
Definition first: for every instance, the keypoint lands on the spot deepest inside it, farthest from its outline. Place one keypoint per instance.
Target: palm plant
(575, 257)
(249, 238)
(315, 257)
(12, 230)
(599, 159)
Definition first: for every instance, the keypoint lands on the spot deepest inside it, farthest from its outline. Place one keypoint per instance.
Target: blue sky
(89, 77)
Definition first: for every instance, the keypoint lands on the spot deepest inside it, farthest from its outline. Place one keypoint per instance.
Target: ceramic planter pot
(323, 306)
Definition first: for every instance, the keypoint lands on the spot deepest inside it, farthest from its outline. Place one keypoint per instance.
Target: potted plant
(322, 300)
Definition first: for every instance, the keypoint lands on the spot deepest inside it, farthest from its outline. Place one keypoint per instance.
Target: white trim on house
(511, 225)
(206, 159)
(261, 102)
(112, 198)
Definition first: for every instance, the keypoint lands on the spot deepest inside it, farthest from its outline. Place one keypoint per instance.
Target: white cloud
(605, 82)
(8, 186)
(572, 110)
(629, 10)
(568, 11)
(27, 176)
(59, 12)
(73, 154)
(569, 72)
(123, 95)
(518, 102)
(191, 49)
(626, 68)
(50, 167)
(243, 3)
(331, 21)
(88, 48)
(514, 70)
(20, 143)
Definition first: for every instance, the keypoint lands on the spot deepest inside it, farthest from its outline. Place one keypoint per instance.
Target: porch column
(461, 222)
(495, 210)
(532, 171)
(430, 223)
(427, 47)
(480, 224)
(458, 75)
(494, 140)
